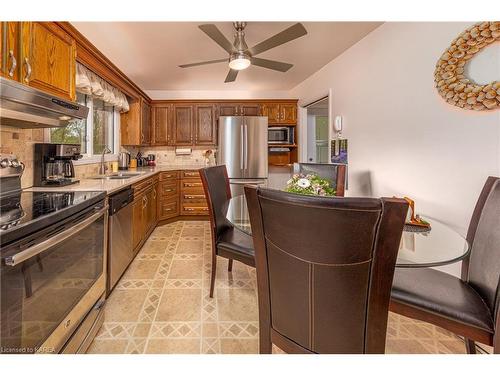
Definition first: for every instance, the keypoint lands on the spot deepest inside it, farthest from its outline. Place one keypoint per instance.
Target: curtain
(89, 83)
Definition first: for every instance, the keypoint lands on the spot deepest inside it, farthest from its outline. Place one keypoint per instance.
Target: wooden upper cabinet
(250, 109)
(239, 109)
(135, 124)
(48, 59)
(145, 123)
(9, 51)
(228, 109)
(280, 113)
(162, 125)
(288, 113)
(272, 111)
(205, 125)
(183, 124)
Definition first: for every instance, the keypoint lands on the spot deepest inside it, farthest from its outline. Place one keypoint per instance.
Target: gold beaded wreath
(449, 75)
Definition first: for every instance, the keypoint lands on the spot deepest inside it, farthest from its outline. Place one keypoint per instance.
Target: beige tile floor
(162, 304)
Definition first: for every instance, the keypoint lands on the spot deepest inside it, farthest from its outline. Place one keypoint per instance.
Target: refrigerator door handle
(248, 182)
(246, 146)
(242, 147)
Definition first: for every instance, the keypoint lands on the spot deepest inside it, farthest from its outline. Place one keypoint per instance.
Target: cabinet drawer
(171, 175)
(189, 196)
(188, 208)
(168, 209)
(191, 183)
(141, 186)
(168, 188)
(191, 174)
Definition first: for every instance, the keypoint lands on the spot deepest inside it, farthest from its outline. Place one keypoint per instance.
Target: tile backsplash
(21, 143)
(167, 156)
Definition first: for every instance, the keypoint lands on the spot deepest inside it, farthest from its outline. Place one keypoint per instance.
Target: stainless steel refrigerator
(243, 149)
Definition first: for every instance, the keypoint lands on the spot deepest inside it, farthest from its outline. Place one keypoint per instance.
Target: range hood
(25, 107)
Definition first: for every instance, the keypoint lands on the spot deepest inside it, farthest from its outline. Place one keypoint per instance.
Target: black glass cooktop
(27, 211)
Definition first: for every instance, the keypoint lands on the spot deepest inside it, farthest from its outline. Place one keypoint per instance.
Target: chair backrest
(325, 268)
(335, 173)
(218, 193)
(483, 267)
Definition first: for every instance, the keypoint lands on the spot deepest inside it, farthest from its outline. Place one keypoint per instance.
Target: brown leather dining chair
(467, 306)
(227, 241)
(324, 270)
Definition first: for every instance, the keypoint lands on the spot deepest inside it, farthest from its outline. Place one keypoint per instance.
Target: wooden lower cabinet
(137, 220)
(168, 195)
(165, 196)
(144, 210)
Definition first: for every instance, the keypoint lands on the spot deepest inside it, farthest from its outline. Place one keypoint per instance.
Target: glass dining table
(438, 247)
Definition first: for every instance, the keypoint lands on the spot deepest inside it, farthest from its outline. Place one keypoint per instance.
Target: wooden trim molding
(160, 102)
(88, 55)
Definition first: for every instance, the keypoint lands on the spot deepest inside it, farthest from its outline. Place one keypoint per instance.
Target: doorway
(318, 134)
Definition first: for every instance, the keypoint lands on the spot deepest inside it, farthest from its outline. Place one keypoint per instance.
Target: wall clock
(450, 77)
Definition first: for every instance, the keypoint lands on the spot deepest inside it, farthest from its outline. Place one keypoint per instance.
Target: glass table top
(440, 246)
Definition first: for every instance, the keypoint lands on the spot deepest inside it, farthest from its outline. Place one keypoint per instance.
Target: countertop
(111, 186)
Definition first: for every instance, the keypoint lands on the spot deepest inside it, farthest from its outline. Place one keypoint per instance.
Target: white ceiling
(150, 52)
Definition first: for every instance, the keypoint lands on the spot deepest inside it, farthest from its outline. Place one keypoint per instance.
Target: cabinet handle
(144, 202)
(14, 63)
(196, 208)
(191, 174)
(154, 194)
(192, 185)
(197, 196)
(169, 190)
(28, 70)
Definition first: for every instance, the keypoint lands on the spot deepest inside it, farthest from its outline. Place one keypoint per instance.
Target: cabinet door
(229, 109)
(137, 220)
(272, 111)
(183, 125)
(206, 128)
(162, 121)
(130, 128)
(288, 113)
(154, 205)
(145, 123)
(9, 53)
(49, 59)
(250, 109)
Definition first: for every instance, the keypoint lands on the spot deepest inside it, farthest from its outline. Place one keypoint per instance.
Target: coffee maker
(53, 164)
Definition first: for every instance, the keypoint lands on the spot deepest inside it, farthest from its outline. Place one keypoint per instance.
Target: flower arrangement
(310, 184)
(208, 155)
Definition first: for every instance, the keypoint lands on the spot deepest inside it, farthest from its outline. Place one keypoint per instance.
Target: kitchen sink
(116, 176)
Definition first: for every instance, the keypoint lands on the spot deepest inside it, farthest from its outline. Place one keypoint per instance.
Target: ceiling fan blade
(231, 76)
(271, 64)
(293, 32)
(203, 63)
(214, 33)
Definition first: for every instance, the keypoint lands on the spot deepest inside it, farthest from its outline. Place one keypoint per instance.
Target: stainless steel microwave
(283, 135)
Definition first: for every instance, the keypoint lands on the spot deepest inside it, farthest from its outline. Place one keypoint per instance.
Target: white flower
(304, 183)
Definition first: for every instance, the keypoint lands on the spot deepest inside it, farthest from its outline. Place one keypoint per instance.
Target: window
(102, 124)
(75, 132)
(97, 131)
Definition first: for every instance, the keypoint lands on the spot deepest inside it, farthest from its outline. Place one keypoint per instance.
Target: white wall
(403, 138)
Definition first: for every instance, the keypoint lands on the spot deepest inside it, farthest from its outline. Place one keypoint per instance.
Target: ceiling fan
(240, 56)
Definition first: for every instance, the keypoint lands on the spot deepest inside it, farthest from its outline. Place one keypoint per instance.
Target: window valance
(89, 83)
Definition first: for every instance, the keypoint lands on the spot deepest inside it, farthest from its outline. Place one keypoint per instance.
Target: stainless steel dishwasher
(120, 235)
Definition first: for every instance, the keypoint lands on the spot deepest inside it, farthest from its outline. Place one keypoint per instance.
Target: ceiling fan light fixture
(239, 61)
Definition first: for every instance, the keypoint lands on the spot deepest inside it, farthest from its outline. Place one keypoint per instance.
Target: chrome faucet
(102, 167)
